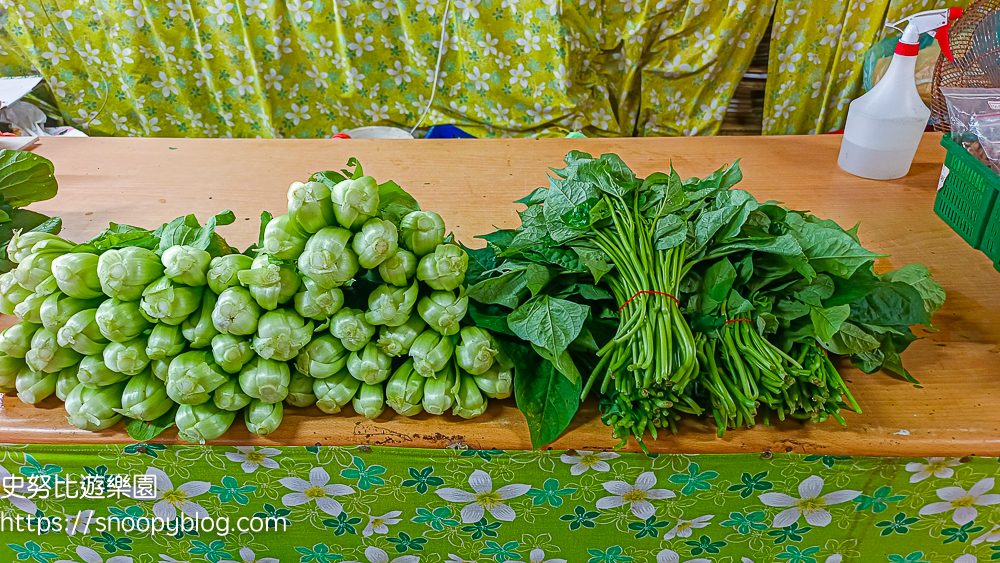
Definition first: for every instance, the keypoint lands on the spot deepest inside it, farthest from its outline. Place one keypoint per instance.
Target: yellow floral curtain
(311, 68)
(817, 54)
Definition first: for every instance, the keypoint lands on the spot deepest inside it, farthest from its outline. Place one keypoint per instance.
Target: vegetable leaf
(562, 362)
(507, 289)
(25, 178)
(481, 260)
(490, 317)
(394, 202)
(670, 231)
(594, 260)
(187, 231)
(665, 190)
(24, 220)
(563, 199)
(536, 196)
(547, 399)
(145, 431)
(826, 322)
(891, 304)
(919, 278)
(850, 339)
(328, 177)
(548, 322)
(830, 249)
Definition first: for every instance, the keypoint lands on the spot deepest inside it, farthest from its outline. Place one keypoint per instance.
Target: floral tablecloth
(379, 504)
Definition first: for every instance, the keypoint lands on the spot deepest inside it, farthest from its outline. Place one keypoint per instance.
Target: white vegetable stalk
(281, 335)
(283, 238)
(236, 312)
(390, 305)
(328, 258)
(371, 365)
(332, 393)
(323, 357)
(270, 284)
(186, 265)
(94, 409)
(125, 272)
(351, 327)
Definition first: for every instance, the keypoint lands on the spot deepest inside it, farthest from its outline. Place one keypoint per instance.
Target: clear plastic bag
(987, 130)
(974, 114)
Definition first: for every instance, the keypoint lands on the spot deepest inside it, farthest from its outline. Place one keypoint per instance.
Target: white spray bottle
(884, 126)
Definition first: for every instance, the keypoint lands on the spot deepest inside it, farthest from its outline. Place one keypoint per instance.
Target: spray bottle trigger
(941, 34)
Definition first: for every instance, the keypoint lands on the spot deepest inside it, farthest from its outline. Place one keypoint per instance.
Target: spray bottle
(884, 126)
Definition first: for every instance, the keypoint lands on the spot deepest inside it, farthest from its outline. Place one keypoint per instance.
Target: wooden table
(472, 184)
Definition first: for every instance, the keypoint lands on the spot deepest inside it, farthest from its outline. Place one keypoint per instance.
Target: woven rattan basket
(968, 69)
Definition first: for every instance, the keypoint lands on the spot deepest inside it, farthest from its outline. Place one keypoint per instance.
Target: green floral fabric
(817, 54)
(311, 68)
(379, 504)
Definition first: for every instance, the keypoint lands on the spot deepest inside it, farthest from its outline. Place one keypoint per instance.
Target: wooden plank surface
(471, 183)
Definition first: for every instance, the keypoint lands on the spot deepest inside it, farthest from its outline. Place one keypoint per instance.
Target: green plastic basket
(967, 196)
(990, 244)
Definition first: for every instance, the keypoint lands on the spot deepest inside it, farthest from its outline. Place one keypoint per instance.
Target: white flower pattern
(483, 498)
(317, 489)
(637, 496)
(810, 505)
(963, 502)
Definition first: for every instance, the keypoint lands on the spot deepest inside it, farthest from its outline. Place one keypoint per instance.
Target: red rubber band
(736, 321)
(650, 292)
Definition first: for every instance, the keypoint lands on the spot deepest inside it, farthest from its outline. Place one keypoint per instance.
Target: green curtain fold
(816, 57)
(311, 68)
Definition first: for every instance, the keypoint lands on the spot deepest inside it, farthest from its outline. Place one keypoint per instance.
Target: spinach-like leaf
(507, 289)
(722, 179)
(829, 249)
(737, 305)
(145, 431)
(790, 309)
(563, 363)
(187, 231)
(548, 322)
(850, 339)
(481, 260)
(670, 231)
(718, 280)
(394, 202)
(850, 290)
(536, 277)
(827, 322)
(594, 260)
(664, 194)
(562, 256)
(744, 203)
(709, 223)
(919, 278)
(500, 238)
(120, 236)
(813, 292)
(564, 197)
(536, 196)
(890, 304)
(547, 399)
(592, 292)
(490, 317)
(25, 178)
